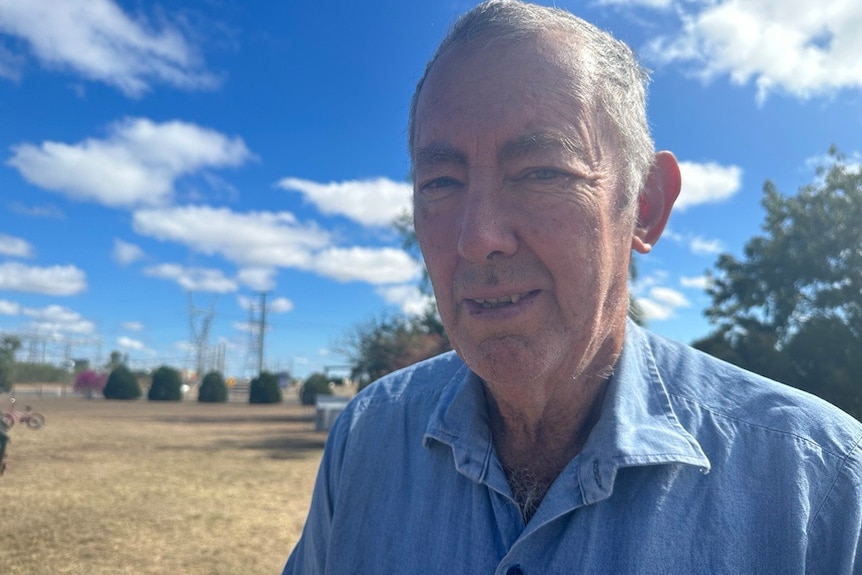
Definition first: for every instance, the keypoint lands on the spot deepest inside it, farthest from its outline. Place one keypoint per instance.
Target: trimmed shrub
(166, 385)
(265, 389)
(316, 384)
(122, 384)
(213, 388)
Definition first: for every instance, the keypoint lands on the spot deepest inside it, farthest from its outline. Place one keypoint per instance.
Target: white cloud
(54, 313)
(408, 298)
(258, 279)
(246, 302)
(657, 277)
(184, 345)
(126, 253)
(646, 3)
(53, 280)
(136, 164)
(370, 202)
(194, 279)
(9, 307)
(10, 65)
(654, 310)
(15, 247)
(279, 305)
(129, 343)
(707, 183)
(697, 282)
(261, 240)
(55, 320)
(253, 239)
(373, 265)
(661, 303)
(698, 245)
(668, 296)
(133, 325)
(803, 48)
(48, 211)
(244, 326)
(97, 40)
(705, 247)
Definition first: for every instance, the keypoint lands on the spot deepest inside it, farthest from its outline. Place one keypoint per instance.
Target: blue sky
(164, 163)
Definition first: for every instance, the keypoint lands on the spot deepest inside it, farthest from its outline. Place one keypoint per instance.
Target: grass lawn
(113, 487)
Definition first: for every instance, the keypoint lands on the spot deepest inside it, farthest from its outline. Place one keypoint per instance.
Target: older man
(560, 438)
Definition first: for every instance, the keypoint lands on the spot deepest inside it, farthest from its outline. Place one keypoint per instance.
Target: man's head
(613, 83)
(529, 150)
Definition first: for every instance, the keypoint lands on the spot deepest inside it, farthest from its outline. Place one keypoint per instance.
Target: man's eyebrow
(438, 154)
(534, 142)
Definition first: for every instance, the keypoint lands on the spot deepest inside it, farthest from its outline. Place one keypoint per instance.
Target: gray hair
(615, 81)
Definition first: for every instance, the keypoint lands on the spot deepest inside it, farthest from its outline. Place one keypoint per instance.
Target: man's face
(517, 212)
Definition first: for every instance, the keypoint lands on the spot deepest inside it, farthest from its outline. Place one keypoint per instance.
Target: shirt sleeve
(310, 554)
(835, 533)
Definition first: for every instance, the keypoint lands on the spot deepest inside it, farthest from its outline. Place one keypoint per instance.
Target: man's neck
(534, 450)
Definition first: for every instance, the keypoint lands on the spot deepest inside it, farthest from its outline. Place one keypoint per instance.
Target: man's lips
(495, 302)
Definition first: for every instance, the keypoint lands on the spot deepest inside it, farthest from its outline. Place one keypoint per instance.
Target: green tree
(115, 361)
(390, 342)
(9, 345)
(37, 372)
(265, 389)
(791, 308)
(213, 388)
(122, 384)
(315, 384)
(166, 385)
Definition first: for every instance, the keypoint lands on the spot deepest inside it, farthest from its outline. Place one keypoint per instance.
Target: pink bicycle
(30, 418)
(4, 441)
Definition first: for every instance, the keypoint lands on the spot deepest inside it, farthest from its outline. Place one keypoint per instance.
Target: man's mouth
(490, 303)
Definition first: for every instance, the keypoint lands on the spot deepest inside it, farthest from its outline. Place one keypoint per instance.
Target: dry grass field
(113, 487)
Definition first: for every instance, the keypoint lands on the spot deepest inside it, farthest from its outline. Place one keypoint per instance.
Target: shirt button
(515, 570)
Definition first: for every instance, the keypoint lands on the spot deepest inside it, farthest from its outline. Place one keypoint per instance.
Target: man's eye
(439, 184)
(544, 174)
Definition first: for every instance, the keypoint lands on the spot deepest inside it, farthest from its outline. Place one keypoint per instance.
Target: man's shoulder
(420, 383)
(415, 378)
(403, 400)
(701, 383)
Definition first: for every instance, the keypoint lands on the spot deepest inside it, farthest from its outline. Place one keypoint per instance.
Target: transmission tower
(257, 329)
(199, 323)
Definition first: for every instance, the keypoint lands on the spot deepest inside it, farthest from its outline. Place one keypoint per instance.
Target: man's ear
(656, 200)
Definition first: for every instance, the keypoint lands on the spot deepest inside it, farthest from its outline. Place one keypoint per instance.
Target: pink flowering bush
(90, 382)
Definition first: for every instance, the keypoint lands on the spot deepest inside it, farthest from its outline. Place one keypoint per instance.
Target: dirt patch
(112, 487)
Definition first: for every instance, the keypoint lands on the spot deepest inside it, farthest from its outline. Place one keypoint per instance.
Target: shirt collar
(637, 425)
(460, 420)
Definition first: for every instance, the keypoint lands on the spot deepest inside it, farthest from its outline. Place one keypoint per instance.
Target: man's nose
(487, 231)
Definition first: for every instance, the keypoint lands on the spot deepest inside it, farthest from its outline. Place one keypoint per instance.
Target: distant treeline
(32, 372)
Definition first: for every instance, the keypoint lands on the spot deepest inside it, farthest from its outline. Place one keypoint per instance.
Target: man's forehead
(544, 64)
(518, 146)
(554, 46)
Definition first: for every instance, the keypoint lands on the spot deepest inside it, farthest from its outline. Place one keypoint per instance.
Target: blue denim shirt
(694, 466)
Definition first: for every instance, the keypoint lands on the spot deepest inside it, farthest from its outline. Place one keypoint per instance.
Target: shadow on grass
(210, 419)
(286, 447)
(283, 445)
